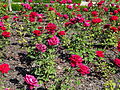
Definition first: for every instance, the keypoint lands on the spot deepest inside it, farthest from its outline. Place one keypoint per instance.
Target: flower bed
(60, 46)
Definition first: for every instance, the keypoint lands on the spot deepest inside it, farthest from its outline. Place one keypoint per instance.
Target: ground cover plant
(60, 45)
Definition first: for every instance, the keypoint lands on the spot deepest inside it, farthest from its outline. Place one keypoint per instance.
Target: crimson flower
(75, 60)
(4, 68)
(83, 69)
(117, 62)
(114, 29)
(37, 32)
(114, 18)
(61, 33)
(3, 28)
(6, 34)
(100, 53)
(96, 20)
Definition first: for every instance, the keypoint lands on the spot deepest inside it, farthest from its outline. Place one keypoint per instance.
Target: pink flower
(63, 2)
(81, 19)
(52, 1)
(86, 24)
(117, 62)
(1, 24)
(26, 6)
(53, 41)
(90, 4)
(65, 16)
(46, 5)
(41, 47)
(83, 69)
(69, 6)
(85, 9)
(30, 1)
(100, 53)
(31, 80)
(105, 9)
(75, 60)
(115, 12)
(69, 1)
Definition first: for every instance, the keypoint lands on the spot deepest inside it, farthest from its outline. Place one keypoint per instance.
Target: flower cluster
(76, 60)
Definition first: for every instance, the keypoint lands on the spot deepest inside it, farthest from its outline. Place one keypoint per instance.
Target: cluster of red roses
(116, 60)
(3, 28)
(76, 60)
(34, 16)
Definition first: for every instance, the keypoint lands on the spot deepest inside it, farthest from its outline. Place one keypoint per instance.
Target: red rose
(114, 18)
(40, 27)
(2, 28)
(31, 19)
(83, 69)
(75, 60)
(118, 47)
(4, 5)
(114, 29)
(100, 53)
(117, 62)
(5, 17)
(61, 33)
(40, 20)
(96, 20)
(68, 23)
(94, 13)
(6, 34)
(51, 8)
(33, 14)
(4, 68)
(37, 32)
(51, 28)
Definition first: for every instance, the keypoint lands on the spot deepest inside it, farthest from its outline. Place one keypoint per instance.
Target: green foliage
(111, 85)
(76, 1)
(16, 7)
